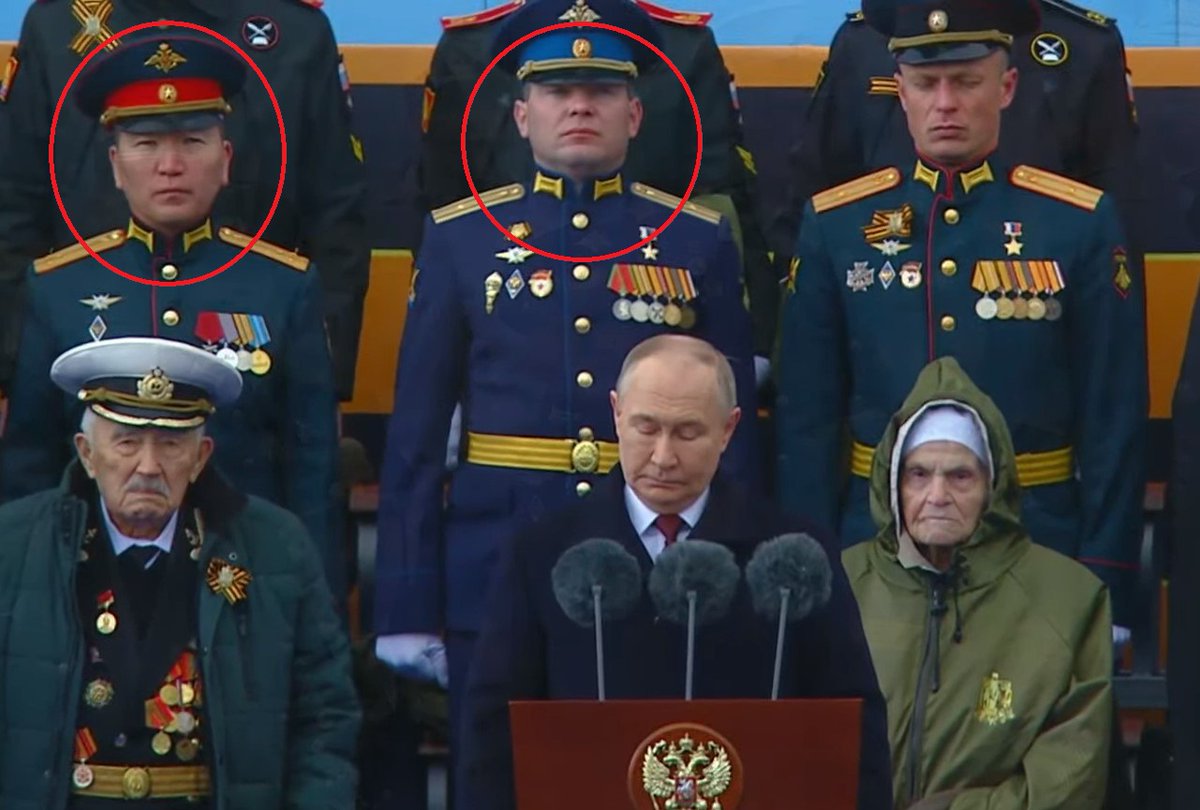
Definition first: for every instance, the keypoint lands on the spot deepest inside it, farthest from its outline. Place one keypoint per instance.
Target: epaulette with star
(1049, 184)
(664, 14)
(73, 253)
(467, 205)
(481, 17)
(288, 258)
(1094, 17)
(856, 189)
(671, 201)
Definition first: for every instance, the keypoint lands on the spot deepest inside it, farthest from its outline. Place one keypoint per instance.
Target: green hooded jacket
(997, 671)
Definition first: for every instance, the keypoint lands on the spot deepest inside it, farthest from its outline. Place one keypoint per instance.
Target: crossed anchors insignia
(686, 774)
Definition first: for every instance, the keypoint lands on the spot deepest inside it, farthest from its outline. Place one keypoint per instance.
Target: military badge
(686, 765)
(650, 249)
(910, 275)
(98, 693)
(97, 328)
(938, 21)
(541, 283)
(100, 301)
(260, 33)
(887, 274)
(491, 291)
(860, 277)
(228, 580)
(1013, 246)
(521, 230)
(1122, 279)
(165, 59)
(995, 701)
(82, 775)
(515, 283)
(515, 254)
(580, 12)
(106, 621)
(1049, 49)
(883, 86)
(887, 228)
(92, 15)
(10, 75)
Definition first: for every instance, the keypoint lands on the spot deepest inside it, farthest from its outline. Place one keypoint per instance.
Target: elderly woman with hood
(994, 653)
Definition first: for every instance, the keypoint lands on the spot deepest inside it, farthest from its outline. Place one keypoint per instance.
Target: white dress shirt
(642, 517)
(121, 542)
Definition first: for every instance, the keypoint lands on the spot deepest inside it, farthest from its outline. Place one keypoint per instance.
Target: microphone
(789, 577)
(593, 581)
(693, 583)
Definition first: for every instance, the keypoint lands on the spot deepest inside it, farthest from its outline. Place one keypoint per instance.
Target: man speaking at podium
(674, 409)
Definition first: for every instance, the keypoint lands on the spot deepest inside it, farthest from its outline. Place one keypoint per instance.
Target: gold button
(584, 379)
(171, 318)
(583, 326)
(582, 489)
(581, 272)
(586, 435)
(580, 220)
(948, 323)
(949, 267)
(169, 272)
(951, 216)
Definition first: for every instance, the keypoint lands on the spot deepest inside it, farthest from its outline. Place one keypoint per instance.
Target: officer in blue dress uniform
(165, 101)
(532, 345)
(1020, 274)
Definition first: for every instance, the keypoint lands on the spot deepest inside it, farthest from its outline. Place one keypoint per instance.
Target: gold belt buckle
(585, 453)
(135, 783)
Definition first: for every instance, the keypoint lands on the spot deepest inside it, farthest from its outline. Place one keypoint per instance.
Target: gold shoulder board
(1094, 17)
(671, 201)
(73, 253)
(282, 255)
(698, 18)
(495, 196)
(481, 17)
(857, 189)
(1054, 185)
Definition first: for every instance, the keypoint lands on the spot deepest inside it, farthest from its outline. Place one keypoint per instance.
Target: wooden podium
(588, 755)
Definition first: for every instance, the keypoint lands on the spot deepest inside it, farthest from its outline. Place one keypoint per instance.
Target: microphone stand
(596, 590)
(784, 595)
(691, 644)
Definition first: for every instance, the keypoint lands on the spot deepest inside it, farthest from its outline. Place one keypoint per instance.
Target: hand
(1121, 637)
(762, 371)
(417, 655)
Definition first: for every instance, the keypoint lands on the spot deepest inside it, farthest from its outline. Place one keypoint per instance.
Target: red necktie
(669, 525)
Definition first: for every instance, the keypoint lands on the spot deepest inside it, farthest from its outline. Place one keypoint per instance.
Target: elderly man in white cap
(164, 639)
(994, 653)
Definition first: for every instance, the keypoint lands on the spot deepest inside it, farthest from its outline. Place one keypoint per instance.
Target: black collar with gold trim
(186, 241)
(930, 174)
(544, 183)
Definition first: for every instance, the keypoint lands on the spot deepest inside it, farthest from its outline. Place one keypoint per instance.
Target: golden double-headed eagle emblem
(686, 774)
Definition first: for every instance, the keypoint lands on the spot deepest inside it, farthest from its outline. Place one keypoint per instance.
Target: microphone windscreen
(596, 562)
(707, 568)
(793, 561)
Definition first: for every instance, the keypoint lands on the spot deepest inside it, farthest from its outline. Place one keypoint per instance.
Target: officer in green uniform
(321, 212)
(1073, 112)
(1020, 274)
(164, 101)
(663, 155)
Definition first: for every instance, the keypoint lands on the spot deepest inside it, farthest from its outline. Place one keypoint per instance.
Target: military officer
(1073, 112)
(530, 344)
(168, 640)
(663, 154)
(262, 315)
(322, 210)
(1020, 274)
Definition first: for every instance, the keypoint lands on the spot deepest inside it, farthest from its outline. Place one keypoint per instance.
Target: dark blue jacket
(528, 649)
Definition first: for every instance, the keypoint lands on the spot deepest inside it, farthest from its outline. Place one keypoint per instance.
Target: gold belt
(583, 455)
(133, 782)
(1033, 469)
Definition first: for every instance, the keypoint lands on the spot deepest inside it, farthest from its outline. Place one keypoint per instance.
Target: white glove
(1121, 637)
(417, 655)
(762, 371)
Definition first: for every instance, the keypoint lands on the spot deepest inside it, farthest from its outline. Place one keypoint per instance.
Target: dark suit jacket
(528, 649)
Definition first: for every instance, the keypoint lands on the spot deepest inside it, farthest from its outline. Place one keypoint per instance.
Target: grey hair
(692, 348)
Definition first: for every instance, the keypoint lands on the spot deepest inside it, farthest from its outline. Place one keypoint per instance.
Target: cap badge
(939, 21)
(581, 48)
(155, 386)
(165, 59)
(167, 93)
(580, 12)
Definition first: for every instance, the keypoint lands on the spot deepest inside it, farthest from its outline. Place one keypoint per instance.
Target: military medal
(860, 277)
(688, 317)
(1053, 309)
(187, 694)
(541, 283)
(1020, 308)
(986, 307)
(639, 310)
(98, 693)
(1004, 308)
(491, 290)
(621, 309)
(650, 249)
(243, 360)
(657, 313)
(620, 281)
(1013, 246)
(910, 275)
(106, 622)
(1037, 309)
(672, 314)
(186, 750)
(160, 743)
(229, 356)
(169, 694)
(514, 285)
(185, 721)
(260, 362)
(82, 775)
